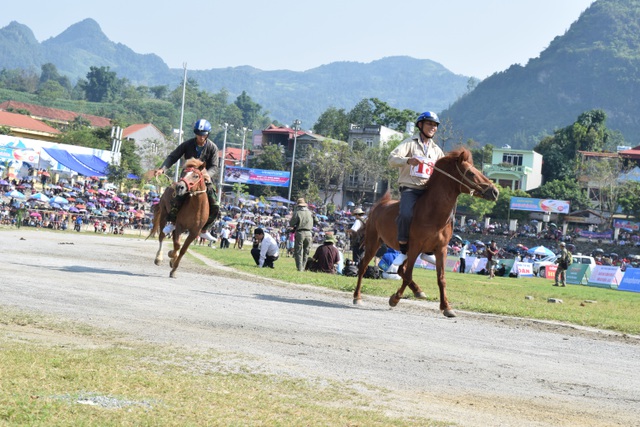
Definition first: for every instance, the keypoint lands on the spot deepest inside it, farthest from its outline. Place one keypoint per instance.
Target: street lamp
(296, 126)
(224, 155)
(244, 135)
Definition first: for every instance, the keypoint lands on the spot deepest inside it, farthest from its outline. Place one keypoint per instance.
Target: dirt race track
(475, 370)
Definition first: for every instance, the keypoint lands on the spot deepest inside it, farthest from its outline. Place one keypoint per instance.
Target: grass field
(582, 305)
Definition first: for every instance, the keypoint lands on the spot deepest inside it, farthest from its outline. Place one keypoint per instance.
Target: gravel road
(474, 370)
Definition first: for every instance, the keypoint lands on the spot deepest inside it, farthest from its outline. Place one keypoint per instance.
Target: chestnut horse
(432, 223)
(192, 216)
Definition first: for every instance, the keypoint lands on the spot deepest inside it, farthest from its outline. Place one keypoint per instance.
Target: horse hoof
(157, 262)
(172, 274)
(394, 300)
(420, 295)
(357, 301)
(449, 312)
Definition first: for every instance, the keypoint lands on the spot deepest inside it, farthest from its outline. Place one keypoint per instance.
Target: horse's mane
(194, 163)
(456, 153)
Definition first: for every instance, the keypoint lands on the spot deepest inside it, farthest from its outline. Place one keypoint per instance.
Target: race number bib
(423, 170)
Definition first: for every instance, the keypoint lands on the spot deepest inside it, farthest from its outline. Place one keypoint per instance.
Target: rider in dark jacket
(199, 147)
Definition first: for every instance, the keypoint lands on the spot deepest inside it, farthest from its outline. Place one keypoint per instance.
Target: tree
(333, 123)
(101, 84)
(501, 208)
(329, 162)
(629, 198)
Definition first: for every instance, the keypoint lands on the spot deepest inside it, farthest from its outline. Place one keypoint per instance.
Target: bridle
(472, 187)
(191, 184)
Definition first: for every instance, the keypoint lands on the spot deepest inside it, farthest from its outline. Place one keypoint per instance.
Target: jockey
(415, 158)
(199, 147)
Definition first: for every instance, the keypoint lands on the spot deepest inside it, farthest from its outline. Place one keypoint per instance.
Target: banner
(524, 269)
(256, 176)
(578, 274)
(539, 205)
(550, 271)
(596, 234)
(605, 276)
(629, 225)
(630, 280)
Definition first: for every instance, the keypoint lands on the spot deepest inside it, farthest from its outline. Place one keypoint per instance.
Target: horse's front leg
(406, 272)
(442, 286)
(176, 261)
(369, 253)
(173, 253)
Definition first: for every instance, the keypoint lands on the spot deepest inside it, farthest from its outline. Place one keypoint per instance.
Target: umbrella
(350, 204)
(227, 218)
(551, 224)
(455, 236)
(54, 205)
(35, 214)
(598, 251)
(3, 182)
(15, 194)
(59, 200)
(540, 250)
(479, 243)
(73, 209)
(39, 196)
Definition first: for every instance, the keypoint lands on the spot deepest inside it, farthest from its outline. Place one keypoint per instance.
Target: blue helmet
(202, 127)
(428, 115)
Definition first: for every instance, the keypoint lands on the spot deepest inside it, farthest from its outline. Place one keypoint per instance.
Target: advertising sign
(578, 274)
(550, 271)
(605, 276)
(539, 205)
(524, 269)
(256, 176)
(629, 225)
(630, 280)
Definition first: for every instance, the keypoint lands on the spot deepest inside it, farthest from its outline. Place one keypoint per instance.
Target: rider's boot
(402, 256)
(214, 209)
(172, 215)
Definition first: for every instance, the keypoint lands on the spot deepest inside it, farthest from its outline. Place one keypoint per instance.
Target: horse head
(471, 180)
(192, 178)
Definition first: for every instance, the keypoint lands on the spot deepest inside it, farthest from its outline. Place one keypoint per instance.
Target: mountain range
(594, 65)
(402, 82)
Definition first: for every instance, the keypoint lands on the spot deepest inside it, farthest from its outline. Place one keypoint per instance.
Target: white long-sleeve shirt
(268, 246)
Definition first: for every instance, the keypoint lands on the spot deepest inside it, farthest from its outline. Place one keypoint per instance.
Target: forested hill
(401, 82)
(595, 64)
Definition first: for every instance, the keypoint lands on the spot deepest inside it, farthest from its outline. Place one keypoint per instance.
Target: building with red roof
(54, 115)
(27, 127)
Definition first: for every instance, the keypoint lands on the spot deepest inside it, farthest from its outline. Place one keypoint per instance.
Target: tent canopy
(70, 161)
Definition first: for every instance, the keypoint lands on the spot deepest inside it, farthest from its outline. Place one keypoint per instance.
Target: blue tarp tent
(93, 162)
(68, 160)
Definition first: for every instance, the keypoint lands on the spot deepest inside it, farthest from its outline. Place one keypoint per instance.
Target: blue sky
(468, 37)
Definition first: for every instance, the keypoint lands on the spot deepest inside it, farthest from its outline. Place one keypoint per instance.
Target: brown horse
(432, 223)
(192, 216)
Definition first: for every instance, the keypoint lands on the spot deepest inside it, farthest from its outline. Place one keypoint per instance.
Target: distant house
(515, 169)
(359, 186)
(54, 115)
(22, 126)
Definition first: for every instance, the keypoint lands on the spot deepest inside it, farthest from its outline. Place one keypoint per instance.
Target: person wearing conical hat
(302, 222)
(326, 257)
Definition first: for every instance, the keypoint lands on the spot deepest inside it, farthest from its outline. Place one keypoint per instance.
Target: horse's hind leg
(369, 253)
(159, 258)
(417, 292)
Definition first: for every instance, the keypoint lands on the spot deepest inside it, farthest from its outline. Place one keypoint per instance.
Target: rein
(473, 187)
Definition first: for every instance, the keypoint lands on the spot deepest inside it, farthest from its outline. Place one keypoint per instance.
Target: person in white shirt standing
(267, 251)
(463, 256)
